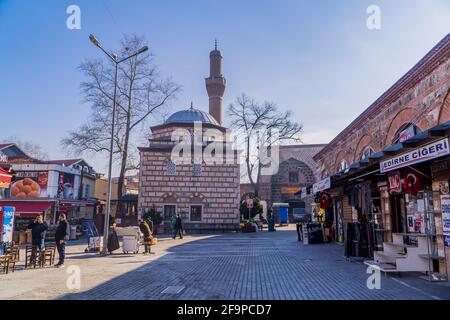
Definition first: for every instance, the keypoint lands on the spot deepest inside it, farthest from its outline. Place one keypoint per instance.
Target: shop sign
(30, 184)
(428, 152)
(289, 190)
(7, 224)
(322, 185)
(303, 193)
(394, 182)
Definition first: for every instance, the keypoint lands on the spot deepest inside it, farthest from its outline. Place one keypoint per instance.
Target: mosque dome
(190, 116)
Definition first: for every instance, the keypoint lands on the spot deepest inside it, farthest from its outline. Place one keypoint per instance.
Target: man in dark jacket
(38, 231)
(147, 232)
(178, 227)
(61, 235)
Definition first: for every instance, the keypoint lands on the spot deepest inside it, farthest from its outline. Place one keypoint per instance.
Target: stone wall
(217, 189)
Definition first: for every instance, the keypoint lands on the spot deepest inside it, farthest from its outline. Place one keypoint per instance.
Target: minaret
(215, 84)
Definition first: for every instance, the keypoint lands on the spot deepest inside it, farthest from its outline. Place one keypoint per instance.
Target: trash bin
(73, 233)
(130, 244)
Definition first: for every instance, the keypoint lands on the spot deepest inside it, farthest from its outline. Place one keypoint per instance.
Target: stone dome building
(180, 178)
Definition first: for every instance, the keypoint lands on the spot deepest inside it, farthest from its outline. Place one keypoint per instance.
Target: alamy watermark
(374, 280)
(216, 147)
(73, 21)
(73, 281)
(373, 21)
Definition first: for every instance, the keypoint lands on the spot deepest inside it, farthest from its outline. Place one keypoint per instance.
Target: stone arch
(362, 144)
(342, 155)
(444, 113)
(197, 198)
(170, 197)
(306, 177)
(404, 116)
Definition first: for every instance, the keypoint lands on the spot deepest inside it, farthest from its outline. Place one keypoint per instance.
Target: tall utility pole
(116, 61)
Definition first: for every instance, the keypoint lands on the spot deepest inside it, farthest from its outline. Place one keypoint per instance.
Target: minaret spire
(215, 84)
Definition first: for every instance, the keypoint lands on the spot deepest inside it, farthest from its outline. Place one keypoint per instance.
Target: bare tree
(31, 149)
(260, 128)
(141, 92)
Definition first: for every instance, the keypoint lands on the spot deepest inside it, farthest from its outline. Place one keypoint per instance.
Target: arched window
(366, 153)
(405, 132)
(342, 165)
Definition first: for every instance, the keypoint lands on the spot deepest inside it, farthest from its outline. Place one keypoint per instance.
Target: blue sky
(317, 58)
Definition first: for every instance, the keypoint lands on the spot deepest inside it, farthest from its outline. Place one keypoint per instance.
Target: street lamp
(116, 61)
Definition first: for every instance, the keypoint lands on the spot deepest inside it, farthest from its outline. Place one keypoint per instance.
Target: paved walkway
(227, 266)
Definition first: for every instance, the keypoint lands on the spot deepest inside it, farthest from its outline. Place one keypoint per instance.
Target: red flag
(412, 181)
(324, 200)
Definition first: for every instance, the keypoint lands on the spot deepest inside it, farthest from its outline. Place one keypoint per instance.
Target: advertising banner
(30, 184)
(65, 186)
(7, 224)
(430, 151)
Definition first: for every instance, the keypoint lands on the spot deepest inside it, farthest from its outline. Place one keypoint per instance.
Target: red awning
(5, 178)
(28, 209)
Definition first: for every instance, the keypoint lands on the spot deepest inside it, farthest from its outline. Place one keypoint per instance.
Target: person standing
(62, 234)
(38, 231)
(178, 227)
(147, 232)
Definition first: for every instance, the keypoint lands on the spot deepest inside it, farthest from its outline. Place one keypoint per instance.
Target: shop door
(398, 214)
(169, 211)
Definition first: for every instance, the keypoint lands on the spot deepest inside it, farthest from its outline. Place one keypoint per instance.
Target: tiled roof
(5, 145)
(65, 163)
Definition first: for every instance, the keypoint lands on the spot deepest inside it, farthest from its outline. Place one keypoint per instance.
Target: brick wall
(217, 186)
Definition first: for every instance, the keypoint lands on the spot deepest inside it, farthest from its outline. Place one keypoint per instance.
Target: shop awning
(5, 179)
(28, 209)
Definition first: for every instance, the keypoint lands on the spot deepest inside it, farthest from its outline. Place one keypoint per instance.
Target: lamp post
(116, 61)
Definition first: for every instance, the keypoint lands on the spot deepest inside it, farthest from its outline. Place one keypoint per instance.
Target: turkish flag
(324, 200)
(412, 181)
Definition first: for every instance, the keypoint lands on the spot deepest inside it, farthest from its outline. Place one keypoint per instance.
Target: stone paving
(225, 266)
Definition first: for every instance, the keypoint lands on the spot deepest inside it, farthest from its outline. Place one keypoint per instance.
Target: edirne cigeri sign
(431, 151)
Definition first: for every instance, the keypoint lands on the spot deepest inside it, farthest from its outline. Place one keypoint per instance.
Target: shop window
(87, 191)
(197, 170)
(196, 213)
(293, 177)
(171, 168)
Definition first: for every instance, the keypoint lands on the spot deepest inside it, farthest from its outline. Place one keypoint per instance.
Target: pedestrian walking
(178, 227)
(38, 231)
(147, 232)
(173, 221)
(62, 234)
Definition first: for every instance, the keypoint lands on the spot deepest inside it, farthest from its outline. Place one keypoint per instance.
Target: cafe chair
(5, 263)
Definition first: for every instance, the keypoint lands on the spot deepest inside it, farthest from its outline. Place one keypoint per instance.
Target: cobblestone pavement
(226, 266)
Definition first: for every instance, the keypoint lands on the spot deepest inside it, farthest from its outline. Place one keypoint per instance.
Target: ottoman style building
(204, 193)
(386, 175)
